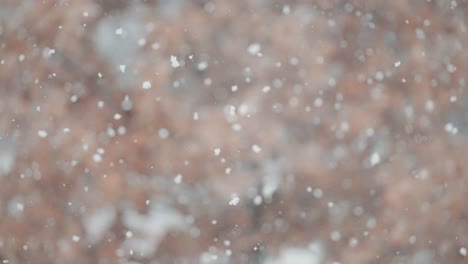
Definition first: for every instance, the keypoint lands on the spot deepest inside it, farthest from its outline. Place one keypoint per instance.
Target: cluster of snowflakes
(96, 224)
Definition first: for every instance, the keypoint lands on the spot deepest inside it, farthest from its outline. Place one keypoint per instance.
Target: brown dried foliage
(418, 188)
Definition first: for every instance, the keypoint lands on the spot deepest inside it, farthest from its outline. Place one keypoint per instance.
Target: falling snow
(256, 148)
(146, 85)
(375, 159)
(266, 132)
(97, 158)
(463, 251)
(42, 133)
(254, 48)
(174, 62)
(163, 133)
(119, 31)
(234, 201)
(126, 103)
(217, 151)
(178, 178)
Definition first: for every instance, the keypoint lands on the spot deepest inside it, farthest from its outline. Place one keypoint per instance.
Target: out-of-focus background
(247, 131)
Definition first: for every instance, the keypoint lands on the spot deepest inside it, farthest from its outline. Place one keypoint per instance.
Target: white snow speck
(318, 193)
(16, 206)
(429, 105)
(453, 98)
(451, 68)
(463, 251)
(374, 159)
(121, 130)
(258, 200)
(163, 133)
(155, 46)
(450, 128)
(174, 62)
(397, 64)
(256, 148)
(178, 179)
(126, 103)
(318, 102)
(141, 42)
(110, 132)
(234, 201)
(119, 31)
(195, 116)
(201, 66)
(234, 88)
(50, 51)
(117, 116)
(236, 127)
(379, 76)
(230, 112)
(20, 207)
(122, 68)
(42, 133)
(254, 48)
(217, 151)
(266, 89)
(294, 61)
(97, 158)
(146, 85)
(207, 82)
(75, 238)
(243, 109)
(128, 234)
(74, 98)
(335, 236)
(353, 242)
